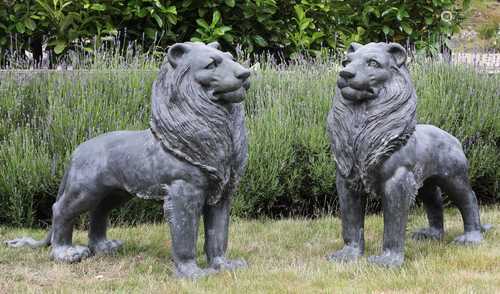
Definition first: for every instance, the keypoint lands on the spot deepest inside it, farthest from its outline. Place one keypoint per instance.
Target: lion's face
(367, 68)
(217, 72)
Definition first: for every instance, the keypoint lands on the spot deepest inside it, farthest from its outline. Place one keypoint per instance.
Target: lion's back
(438, 151)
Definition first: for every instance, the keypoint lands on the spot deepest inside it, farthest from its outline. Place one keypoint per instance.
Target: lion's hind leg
(216, 221)
(433, 204)
(460, 192)
(71, 204)
(98, 242)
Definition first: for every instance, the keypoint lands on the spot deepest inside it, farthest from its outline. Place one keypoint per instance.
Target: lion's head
(197, 111)
(374, 109)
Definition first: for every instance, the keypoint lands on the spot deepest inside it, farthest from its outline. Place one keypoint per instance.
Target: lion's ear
(175, 52)
(398, 52)
(353, 47)
(214, 45)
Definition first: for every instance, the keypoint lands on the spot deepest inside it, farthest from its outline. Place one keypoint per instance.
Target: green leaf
(388, 11)
(260, 41)
(386, 30)
(202, 11)
(158, 20)
(215, 18)
(305, 24)
(170, 10)
(225, 29)
(158, 4)
(202, 23)
(228, 38)
(317, 35)
(172, 18)
(30, 24)
(428, 20)
(20, 27)
(299, 12)
(98, 7)
(466, 4)
(151, 33)
(218, 33)
(230, 3)
(360, 30)
(60, 46)
(402, 13)
(64, 5)
(407, 28)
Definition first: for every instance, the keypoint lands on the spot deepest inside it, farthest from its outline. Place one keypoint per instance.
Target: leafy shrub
(45, 115)
(489, 30)
(279, 26)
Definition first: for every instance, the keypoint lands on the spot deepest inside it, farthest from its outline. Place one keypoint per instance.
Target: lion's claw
(221, 263)
(469, 238)
(346, 254)
(190, 270)
(428, 234)
(69, 254)
(107, 247)
(387, 259)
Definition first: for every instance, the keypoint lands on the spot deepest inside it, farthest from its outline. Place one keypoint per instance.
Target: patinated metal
(381, 150)
(192, 157)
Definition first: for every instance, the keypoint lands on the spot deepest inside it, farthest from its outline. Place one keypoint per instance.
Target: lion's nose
(243, 75)
(346, 74)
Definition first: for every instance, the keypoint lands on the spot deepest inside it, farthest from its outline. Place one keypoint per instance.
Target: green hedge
(284, 26)
(45, 115)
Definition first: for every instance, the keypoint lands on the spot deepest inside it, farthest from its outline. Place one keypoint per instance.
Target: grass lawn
(284, 256)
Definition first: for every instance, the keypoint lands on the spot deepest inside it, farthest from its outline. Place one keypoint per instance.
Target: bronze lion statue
(192, 157)
(380, 150)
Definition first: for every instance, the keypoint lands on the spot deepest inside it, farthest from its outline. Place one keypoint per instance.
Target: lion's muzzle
(355, 88)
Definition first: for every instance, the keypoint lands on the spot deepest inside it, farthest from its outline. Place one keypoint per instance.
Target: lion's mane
(197, 130)
(389, 121)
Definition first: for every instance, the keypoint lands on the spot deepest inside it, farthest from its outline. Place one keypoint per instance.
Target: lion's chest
(356, 129)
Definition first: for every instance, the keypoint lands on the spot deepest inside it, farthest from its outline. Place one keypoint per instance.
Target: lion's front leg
(183, 206)
(352, 213)
(216, 220)
(398, 191)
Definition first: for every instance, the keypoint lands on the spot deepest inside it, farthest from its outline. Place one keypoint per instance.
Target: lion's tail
(30, 242)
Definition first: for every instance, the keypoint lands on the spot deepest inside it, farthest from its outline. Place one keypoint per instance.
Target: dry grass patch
(284, 256)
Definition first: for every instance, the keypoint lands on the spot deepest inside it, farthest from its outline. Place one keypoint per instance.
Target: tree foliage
(286, 26)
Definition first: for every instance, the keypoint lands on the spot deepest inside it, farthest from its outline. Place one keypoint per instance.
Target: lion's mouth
(354, 93)
(233, 95)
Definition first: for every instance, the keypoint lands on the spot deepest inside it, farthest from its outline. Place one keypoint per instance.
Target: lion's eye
(211, 65)
(345, 62)
(373, 63)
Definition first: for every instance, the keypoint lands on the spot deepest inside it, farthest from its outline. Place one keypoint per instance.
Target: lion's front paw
(469, 238)
(346, 254)
(221, 263)
(69, 254)
(428, 234)
(190, 270)
(388, 259)
(107, 247)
